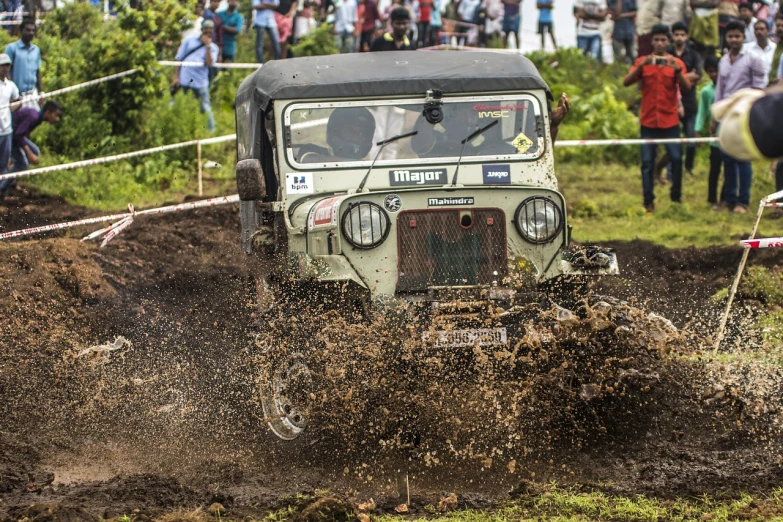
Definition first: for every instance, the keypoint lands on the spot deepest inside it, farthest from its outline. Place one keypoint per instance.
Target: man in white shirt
(746, 15)
(8, 93)
(345, 19)
(761, 45)
(589, 15)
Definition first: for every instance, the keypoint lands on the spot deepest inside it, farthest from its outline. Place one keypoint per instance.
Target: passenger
(349, 133)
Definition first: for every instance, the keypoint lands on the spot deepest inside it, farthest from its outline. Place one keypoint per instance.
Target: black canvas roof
(389, 74)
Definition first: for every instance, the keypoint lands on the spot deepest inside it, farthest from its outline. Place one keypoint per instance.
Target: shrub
(318, 43)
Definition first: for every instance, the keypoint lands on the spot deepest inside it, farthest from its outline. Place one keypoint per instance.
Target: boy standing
(660, 75)
(703, 124)
(232, 26)
(8, 93)
(545, 22)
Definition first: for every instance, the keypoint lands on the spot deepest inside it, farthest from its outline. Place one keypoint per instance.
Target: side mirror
(250, 180)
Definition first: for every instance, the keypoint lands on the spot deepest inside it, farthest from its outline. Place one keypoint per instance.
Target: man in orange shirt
(662, 76)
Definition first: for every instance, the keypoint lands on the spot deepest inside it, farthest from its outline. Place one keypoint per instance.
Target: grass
(557, 504)
(605, 204)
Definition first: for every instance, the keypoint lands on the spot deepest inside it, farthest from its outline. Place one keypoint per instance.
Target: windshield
(344, 134)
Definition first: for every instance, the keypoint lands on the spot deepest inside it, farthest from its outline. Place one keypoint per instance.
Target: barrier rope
(219, 65)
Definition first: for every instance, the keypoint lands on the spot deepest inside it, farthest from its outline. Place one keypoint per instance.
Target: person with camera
(195, 78)
(662, 77)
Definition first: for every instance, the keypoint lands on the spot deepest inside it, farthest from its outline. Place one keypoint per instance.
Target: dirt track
(167, 419)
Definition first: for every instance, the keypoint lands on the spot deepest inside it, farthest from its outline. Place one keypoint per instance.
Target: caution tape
(70, 89)
(123, 221)
(592, 143)
(219, 65)
(773, 197)
(772, 242)
(116, 157)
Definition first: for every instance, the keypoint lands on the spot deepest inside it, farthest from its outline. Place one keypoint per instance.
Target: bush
(318, 43)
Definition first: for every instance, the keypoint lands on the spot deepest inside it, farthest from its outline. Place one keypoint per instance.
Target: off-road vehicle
(425, 178)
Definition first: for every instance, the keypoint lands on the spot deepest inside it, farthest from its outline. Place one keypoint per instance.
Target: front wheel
(284, 392)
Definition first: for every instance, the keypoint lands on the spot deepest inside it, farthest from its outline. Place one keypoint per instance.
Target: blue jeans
(735, 171)
(511, 24)
(345, 42)
(206, 107)
(689, 130)
(5, 155)
(274, 36)
(20, 161)
(590, 45)
(674, 150)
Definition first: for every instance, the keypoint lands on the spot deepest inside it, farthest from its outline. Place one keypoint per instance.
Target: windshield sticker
(449, 202)
(417, 177)
(522, 143)
(496, 174)
(483, 107)
(392, 203)
(324, 212)
(299, 183)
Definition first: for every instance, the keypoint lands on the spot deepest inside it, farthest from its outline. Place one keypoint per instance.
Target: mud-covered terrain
(128, 377)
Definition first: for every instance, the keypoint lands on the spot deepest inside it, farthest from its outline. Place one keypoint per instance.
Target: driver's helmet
(349, 132)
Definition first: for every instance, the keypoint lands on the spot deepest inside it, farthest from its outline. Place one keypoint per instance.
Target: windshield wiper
(472, 137)
(382, 144)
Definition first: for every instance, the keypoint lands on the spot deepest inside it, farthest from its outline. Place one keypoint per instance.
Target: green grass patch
(605, 204)
(559, 504)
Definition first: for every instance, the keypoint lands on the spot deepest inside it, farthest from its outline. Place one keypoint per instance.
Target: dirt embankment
(127, 383)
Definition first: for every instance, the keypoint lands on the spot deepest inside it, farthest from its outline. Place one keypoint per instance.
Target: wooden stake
(200, 175)
(735, 284)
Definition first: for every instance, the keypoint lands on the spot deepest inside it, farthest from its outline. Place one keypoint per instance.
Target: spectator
(545, 22)
(623, 37)
(305, 23)
(233, 22)
(284, 17)
(774, 75)
(673, 11)
(703, 124)
(692, 61)
(397, 39)
(648, 15)
(425, 17)
(511, 21)
(728, 11)
(196, 78)
(747, 18)
(738, 69)
(761, 46)
(265, 21)
(436, 22)
(704, 31)
(196, 29)
(23, 150)
(661, 75)
(8, 93)
(26, 64)
(211, 14)
(590, 14)
(371, 20)
(345, 19)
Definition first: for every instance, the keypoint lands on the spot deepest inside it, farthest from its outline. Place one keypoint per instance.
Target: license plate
(461, 338)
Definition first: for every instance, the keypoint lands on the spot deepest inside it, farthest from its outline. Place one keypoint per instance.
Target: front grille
(437, 249)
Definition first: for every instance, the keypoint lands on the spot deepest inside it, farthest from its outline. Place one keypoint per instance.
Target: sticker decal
(392, 203)
(496, 174)
(449, 202)
(299, 183)
(399, 178)
(324, 213)
(522, 143)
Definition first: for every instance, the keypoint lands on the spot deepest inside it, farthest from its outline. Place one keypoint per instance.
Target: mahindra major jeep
(424, 178)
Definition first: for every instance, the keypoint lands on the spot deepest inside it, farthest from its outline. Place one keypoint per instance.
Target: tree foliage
(318, 43)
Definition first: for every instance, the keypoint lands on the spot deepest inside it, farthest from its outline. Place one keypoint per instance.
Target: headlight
(365, 225)
(538, 219)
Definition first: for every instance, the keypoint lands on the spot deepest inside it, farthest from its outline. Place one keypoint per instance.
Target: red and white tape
(71, 88)
(593, 143)
(219, 65)
(116, 157)
(771, 242)
(124, 220)
(772, 197)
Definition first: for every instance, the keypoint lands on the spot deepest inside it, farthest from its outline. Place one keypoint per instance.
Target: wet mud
(128, 380)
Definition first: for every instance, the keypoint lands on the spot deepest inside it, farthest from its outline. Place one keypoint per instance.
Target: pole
(200, 174)
(735, 284)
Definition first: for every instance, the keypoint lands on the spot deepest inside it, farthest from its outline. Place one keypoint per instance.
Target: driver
(349, 132)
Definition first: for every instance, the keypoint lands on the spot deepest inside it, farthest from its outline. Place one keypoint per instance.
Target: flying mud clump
(377, 386)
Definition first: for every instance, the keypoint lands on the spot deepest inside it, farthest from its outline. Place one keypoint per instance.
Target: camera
(660, 60)
(433, 100)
